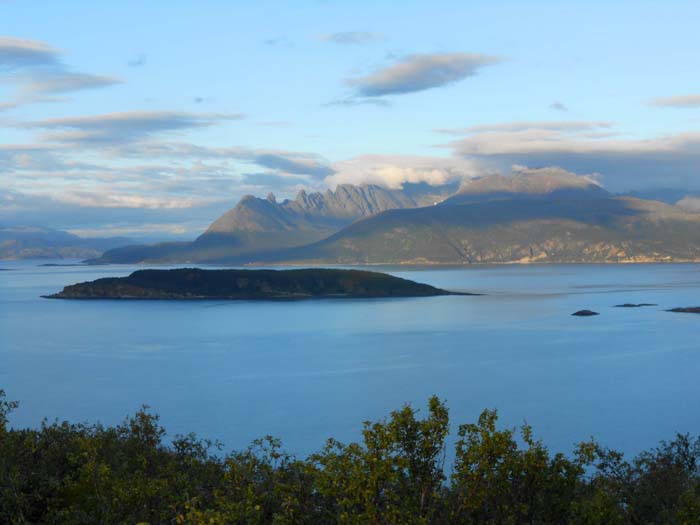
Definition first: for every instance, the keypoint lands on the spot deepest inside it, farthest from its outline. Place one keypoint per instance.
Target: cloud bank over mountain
(393, 171)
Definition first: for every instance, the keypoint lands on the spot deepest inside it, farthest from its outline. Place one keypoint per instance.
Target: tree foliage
(129, 473)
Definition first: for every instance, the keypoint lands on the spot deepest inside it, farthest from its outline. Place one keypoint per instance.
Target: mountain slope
(570, 229)
(544, 215)
(33, 242)
(544, 183)
(257, 225)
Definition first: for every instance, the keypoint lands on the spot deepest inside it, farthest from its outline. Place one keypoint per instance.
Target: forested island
(195, 283)
(133, 473)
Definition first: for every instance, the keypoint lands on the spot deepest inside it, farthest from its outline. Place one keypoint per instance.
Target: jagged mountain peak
(256, 224)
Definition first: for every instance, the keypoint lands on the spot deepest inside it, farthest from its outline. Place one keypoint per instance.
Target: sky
(149, 119)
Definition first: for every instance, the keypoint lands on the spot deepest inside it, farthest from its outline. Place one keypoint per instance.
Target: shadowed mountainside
(546, 216)
(257, 225)
(604, 229)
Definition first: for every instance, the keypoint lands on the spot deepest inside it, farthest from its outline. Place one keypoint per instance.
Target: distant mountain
(519, 228)
(545, 215)
(548, 183)
(257, 225)
(29, 242)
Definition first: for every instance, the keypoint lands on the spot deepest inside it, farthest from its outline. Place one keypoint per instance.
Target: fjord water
(305, 371)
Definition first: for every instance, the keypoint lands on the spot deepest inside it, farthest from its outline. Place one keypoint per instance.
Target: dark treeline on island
(78, 473)
(194, 283)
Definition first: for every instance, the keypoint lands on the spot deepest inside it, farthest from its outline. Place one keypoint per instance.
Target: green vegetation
(78, 473)
(193, 283)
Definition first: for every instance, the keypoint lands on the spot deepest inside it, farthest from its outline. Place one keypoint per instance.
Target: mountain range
(256, 225)
(532, 216)
(33, 242)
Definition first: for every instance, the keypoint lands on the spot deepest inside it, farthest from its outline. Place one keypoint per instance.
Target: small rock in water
(632, 305)
(688, 310)
(585, 313)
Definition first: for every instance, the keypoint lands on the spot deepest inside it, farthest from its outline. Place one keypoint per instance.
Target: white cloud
(392, 171)
(124, 200)
(691, 204)
(129, 230)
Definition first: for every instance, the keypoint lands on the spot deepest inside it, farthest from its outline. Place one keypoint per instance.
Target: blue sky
(150, 118)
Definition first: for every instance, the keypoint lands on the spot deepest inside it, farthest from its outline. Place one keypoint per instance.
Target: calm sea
(309, 370)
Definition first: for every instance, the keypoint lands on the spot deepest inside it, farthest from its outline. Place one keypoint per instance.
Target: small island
(686, 310)
(195, 283)
(634, 305)
(585, 313)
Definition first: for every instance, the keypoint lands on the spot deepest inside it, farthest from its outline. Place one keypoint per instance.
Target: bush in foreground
(77, 473)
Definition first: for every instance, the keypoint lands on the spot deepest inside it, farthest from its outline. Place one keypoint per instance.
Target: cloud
(21, 158)
(298, 164)
(420, 72)
(353, 37)
(564, 126)
(130, 230)
(119, 128)
(56, 83)
(17, 53)
(152, 224)
(558, 106)
(392, 171)
(678, 101)
(273, 180)
(37, 72)
(126, 200)
(671, 160)
(291, 162)
(690, 203)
